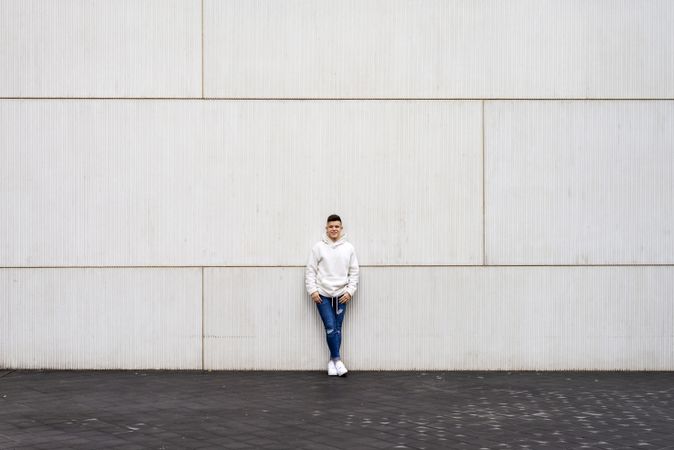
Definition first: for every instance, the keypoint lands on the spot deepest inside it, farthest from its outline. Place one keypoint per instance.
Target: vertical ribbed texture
(440, 49)
(260, 318)
(127, 318)
(131, 181)
(212, 183)
(100, 48)
(580, 182)
(467, 318)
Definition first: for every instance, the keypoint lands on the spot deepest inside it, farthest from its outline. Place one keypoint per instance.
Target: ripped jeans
(332, 313)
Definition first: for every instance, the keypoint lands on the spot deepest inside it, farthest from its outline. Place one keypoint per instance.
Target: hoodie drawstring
(334, 303)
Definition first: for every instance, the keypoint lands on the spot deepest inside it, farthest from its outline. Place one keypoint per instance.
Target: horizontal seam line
(368, 265)
(351, 98)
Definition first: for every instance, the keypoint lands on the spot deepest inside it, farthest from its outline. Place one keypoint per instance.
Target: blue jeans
(332, 313)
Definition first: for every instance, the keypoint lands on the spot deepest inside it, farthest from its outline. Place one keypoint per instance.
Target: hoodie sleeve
(310, 272)
(354, 272)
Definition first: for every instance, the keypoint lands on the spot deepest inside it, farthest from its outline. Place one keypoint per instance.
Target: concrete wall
(505, 172)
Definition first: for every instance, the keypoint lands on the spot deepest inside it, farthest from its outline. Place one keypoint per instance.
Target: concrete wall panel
(100, 48)
(439, 49)
(100, 318)
(579, 182)
(486, 318)
(118, 183)
(260, 318)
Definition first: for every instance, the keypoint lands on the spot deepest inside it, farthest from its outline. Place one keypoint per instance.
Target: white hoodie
(332, 268)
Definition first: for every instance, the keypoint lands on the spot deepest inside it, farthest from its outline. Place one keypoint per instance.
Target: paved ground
(279, 410)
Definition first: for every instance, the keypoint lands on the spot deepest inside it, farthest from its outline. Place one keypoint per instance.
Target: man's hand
(346, 298)
(316, 297)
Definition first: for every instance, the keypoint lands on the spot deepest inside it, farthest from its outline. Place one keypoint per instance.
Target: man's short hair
(334, 218)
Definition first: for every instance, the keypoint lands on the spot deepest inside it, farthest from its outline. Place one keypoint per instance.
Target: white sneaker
(340, 368)
(332, 370)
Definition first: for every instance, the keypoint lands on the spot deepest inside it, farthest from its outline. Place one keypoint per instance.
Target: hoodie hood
(333, 244)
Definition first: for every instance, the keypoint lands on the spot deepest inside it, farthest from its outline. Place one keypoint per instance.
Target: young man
(331, 278)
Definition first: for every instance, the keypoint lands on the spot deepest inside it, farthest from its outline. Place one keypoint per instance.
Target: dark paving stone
(416, 410)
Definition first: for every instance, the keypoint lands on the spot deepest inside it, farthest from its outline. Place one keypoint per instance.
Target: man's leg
(339, 319)
(330, 322)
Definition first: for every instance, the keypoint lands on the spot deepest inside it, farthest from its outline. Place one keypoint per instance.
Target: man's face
(334, 230)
